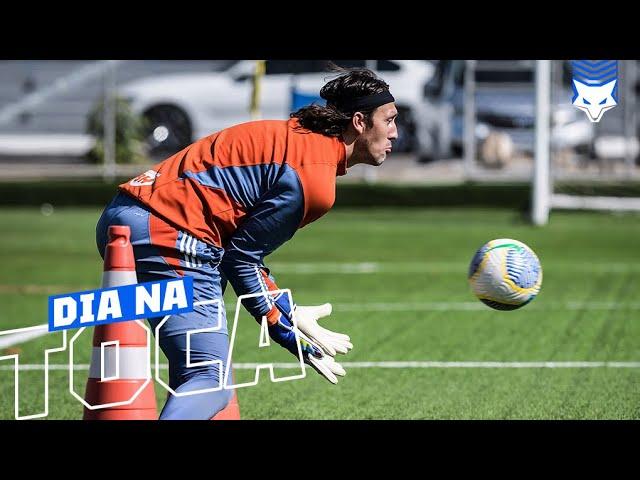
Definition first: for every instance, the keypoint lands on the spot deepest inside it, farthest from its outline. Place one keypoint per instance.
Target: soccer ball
(505, 274)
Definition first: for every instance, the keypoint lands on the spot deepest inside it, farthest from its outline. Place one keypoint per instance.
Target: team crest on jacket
(145, 179)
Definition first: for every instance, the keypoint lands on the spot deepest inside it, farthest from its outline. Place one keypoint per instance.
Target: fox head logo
(594, 100)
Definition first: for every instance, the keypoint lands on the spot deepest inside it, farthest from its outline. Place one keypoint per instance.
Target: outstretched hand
(321, 362)
(318, 345)
(307, 322)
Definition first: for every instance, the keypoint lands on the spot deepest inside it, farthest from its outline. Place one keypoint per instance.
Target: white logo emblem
(595, 86)
(147, 178)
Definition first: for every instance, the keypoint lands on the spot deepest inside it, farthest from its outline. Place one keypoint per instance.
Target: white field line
(477, 306)
(314, 268)
(304, 268)
(410, 364)
(8, 339)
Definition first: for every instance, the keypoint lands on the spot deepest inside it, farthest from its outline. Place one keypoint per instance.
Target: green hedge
(469, 194)
(348, 195)
(58, 193)
(98, 193)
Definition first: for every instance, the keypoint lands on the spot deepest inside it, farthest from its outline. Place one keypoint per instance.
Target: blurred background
(459, 120)
(486, 149)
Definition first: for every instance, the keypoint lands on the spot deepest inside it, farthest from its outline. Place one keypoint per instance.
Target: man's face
(374, 143)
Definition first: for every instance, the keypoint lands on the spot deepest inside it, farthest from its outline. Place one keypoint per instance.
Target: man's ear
(358, 122)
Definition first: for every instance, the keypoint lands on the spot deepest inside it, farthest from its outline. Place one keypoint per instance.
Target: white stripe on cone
(134, 363)
(115, 278)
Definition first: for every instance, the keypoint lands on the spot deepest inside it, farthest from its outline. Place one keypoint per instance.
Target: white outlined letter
(262, 343)
(190, 364)
(10, 337)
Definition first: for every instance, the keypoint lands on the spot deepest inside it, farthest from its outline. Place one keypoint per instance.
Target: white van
(180, 108)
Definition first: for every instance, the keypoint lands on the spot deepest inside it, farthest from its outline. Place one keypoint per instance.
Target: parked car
(180, 108)
(505, 104)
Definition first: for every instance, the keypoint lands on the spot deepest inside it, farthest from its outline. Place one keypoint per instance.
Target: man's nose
(394, 133)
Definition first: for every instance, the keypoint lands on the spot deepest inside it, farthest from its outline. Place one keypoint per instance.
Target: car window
(567, 74)
(279, 67)
(388, 66)
(292, 67)
(459, 68)
(350, 63)
(435, 85)
(505, 76)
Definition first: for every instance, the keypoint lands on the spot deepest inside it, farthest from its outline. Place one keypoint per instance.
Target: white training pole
(469, 118)
(541, 182)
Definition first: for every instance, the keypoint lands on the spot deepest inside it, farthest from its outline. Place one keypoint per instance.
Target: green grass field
(397, 281)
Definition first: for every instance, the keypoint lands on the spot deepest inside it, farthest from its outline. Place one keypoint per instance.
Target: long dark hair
(334, 119)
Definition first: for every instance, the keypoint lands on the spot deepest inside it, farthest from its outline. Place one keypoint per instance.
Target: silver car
(505, 103)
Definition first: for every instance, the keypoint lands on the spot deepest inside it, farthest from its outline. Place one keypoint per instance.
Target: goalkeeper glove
(307, 322)
(284, 334)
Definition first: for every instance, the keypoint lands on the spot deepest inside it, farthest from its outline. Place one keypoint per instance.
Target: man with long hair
(215, 209)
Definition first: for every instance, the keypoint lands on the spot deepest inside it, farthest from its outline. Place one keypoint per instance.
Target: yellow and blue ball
(505, 274)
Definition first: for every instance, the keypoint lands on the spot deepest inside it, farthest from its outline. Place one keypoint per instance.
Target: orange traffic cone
(133, 378)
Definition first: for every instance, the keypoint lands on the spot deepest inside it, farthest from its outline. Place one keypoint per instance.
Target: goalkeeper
(216, 209)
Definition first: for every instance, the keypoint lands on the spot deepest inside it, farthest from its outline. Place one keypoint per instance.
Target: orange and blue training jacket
(246, 189)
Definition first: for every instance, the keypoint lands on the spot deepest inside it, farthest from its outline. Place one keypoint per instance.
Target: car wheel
(167, 130)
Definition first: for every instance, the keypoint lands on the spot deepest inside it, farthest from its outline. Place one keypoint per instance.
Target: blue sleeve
(271, 222)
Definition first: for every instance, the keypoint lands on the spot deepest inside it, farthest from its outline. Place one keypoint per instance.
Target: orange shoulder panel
(317, 159)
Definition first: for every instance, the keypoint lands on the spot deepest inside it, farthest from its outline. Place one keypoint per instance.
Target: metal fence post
(109, 122)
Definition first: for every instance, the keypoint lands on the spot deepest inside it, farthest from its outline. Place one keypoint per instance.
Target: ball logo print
(595, 86)
(505, 274)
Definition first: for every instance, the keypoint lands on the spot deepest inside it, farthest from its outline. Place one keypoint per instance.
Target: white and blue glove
(330, 342)
(317, 344)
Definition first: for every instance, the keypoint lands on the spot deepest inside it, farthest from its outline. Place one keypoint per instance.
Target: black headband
(367, 103)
